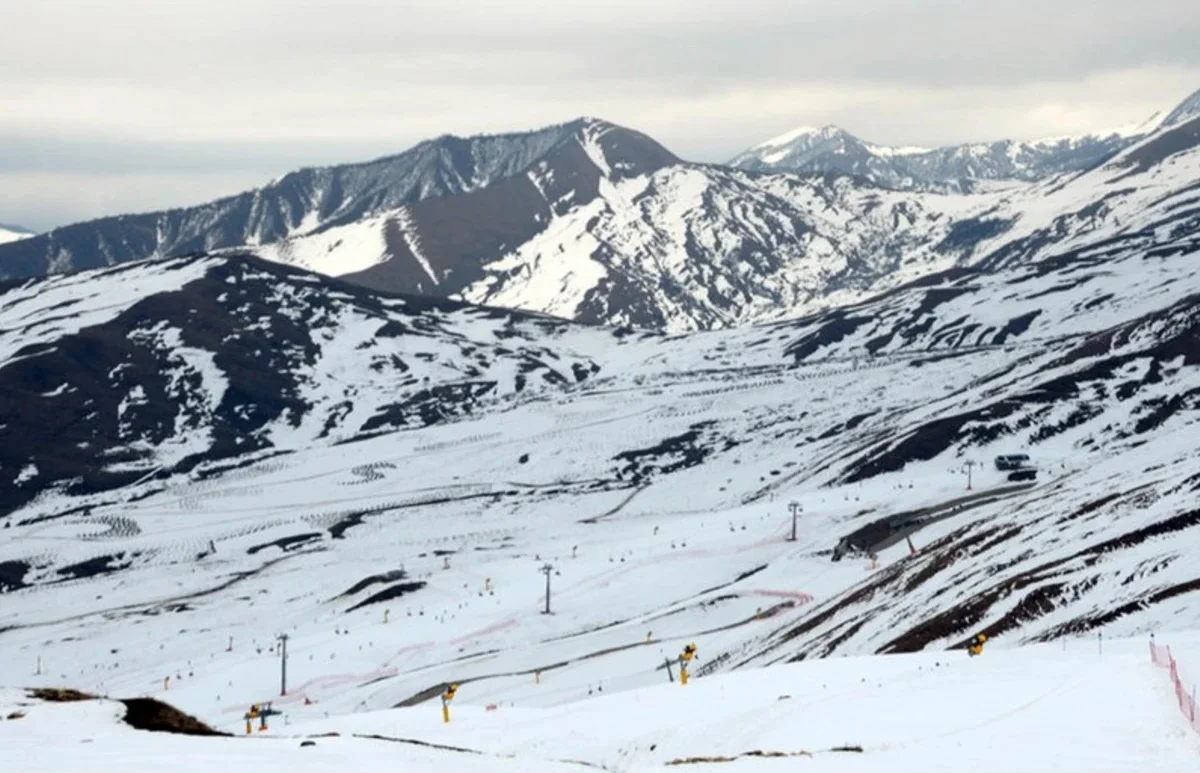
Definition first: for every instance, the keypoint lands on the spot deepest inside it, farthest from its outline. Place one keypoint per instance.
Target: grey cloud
(932, 42)
(40, 201)
(116, 156)
(133, 92)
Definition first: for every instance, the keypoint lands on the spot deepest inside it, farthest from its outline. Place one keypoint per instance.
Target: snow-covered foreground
(1075, 705)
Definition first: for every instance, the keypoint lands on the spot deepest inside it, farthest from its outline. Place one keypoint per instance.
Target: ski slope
(658, 488)
(384, 478)
(1074, 705)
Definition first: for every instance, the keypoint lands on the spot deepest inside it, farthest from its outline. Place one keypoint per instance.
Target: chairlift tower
(546, 570)
(283, 638)
(795, 507)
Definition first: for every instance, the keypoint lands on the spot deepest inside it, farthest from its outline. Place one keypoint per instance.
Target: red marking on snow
(489, 629)
(407, 650)
(299, 694)
(801, 596)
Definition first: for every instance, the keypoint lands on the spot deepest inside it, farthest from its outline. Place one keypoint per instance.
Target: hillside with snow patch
(184, 363)
(383, 476)
(688, 247)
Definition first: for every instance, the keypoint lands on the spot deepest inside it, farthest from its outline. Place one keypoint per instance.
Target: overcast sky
(111, 106)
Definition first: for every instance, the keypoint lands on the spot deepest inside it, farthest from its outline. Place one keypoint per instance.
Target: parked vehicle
(1011, 461)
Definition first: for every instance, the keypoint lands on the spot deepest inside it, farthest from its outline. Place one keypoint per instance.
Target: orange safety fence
(1161, 656)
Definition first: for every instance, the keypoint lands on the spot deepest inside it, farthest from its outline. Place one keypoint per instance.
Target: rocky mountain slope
(753, 248)
(176, 365)
(307, 201)
(600, 224)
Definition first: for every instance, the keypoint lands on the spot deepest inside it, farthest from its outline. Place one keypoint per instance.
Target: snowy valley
(201, 453)
(531, 414)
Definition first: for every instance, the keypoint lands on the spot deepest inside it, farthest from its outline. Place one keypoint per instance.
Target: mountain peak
(591, 121)
(803, 132)
(1188, 108)
(618, 151)
(802, 149)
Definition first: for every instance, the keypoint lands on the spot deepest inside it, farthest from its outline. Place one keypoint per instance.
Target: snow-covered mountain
(182, 363)
(11, 233)
(1184, 111)
(212, 450)
(832, 150)
(309, 201)
(698, 248)
(600, 224)
(688, 247)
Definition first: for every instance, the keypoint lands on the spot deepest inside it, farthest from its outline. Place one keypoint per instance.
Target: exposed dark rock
(12, 575)
(392, 576)
(287, 544)
(387, 594)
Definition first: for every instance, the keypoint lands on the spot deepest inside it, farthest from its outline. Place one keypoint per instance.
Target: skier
(976, 645)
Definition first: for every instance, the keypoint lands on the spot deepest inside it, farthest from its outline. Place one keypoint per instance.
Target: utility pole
(547, 569)
(283, 637)
(969, 464)
(794, 507)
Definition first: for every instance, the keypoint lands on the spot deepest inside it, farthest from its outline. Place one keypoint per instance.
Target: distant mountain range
(601, 224)
(831, 149)
(11, 233)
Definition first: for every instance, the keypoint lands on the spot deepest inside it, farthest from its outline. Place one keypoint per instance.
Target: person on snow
(976, 645)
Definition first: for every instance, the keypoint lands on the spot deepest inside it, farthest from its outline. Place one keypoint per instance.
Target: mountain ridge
(309, 200)
(833, 149)
(599, 223)
(830, 148)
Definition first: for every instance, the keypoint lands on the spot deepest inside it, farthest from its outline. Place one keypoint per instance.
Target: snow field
(646, 562)
(1068, 705)
(303, 494)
